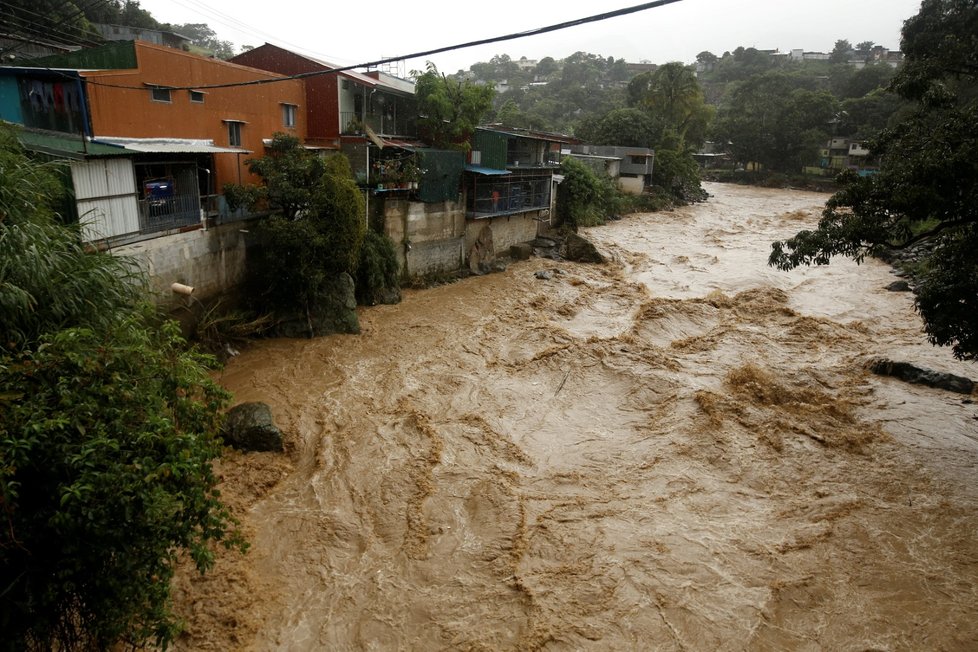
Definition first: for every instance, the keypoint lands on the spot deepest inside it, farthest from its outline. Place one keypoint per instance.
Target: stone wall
(212, 261)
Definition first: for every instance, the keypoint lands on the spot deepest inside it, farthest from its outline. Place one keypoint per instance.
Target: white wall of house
(632, 185)
(106, 197)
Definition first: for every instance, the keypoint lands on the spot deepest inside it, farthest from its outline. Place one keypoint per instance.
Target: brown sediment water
(679, 450)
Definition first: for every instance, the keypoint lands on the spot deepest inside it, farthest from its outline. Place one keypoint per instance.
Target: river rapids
(679, 450)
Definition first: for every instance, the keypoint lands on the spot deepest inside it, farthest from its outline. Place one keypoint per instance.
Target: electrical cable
(79, 11)
(416, 55)
(229, 21)
(32, 28)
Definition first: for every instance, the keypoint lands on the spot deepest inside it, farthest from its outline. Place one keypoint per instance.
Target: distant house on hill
(112, 32)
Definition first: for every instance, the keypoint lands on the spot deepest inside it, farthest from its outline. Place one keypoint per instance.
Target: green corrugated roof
(66, 145)
(119, 55)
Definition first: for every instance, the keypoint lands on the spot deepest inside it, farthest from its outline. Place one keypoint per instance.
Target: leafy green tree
(769, 120)
(317, 232)
(678, 174)
(840, 53)
(204, 37)
(863, 49)
(671, 93)
(449, 110)
(546, 67)
(582, 197)
(290, 179)
(865, 81)
(706, 57)
(108, 427)
(864, 117)
(627, 127)
(511, 115)
(927, 187)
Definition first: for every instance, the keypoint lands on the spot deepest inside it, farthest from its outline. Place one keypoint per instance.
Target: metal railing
(169, 213)
(507, 195)
(351, 124)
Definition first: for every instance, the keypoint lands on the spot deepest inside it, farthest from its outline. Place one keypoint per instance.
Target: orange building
(170, 97)
(153, 133)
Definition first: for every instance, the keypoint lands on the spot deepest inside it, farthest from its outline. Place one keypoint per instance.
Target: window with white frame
(197, 97)
(288, 115)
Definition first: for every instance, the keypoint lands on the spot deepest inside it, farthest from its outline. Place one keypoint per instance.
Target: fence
(168, 213)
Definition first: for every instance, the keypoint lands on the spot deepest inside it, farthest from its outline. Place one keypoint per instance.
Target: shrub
(378, 272)
(677, 173)
(583, 198)
(107, 429)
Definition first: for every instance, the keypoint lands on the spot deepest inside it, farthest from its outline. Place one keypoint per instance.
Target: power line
(79, 11)
(417, 55)
(32, 28)
(219, 17)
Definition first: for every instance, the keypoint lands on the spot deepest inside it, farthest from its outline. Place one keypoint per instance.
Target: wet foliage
(927, 186)
(108, 426)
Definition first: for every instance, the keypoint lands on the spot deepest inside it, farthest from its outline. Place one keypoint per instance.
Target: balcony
(352, 124)
(510, 194)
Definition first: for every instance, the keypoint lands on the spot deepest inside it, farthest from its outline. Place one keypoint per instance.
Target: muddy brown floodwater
(680, 450)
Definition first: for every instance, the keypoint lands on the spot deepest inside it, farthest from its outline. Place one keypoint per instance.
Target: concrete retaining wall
(428, 238)
(506, 231)
(211, 261)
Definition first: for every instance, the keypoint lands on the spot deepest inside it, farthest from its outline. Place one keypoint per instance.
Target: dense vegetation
(927, 187)
(70, 22)
(108, 426)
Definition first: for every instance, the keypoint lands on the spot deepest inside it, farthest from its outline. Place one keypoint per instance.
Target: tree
(769, 120)
(546, 67)
(509, 114)
(629, 127)
(706, 57)
(864, 81)
(108, 427)
(449, 110)
(840, 53)
(863, 49)
(927, 187)
(582, 197)
(317, 234)
(672, 94)
(203, 36)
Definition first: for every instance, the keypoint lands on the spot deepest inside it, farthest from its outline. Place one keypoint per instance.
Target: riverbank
(680, 449)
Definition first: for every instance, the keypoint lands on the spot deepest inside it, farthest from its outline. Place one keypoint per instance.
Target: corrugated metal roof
(478, 169)
(169, 145)
(73, 146)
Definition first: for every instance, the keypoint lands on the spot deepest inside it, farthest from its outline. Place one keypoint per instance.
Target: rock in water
(898, 286)
(917, 375)
(581, 250)
(250, 427)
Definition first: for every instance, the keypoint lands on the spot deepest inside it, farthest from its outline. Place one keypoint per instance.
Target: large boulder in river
(581, 250)
(918, 375)
(250, 427)
(482, 253)
(334, 311)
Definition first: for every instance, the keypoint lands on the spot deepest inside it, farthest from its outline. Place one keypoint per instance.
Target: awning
(169, 145)
(478, 169)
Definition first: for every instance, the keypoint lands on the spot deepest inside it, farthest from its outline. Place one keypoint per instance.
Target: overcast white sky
(355, 31)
